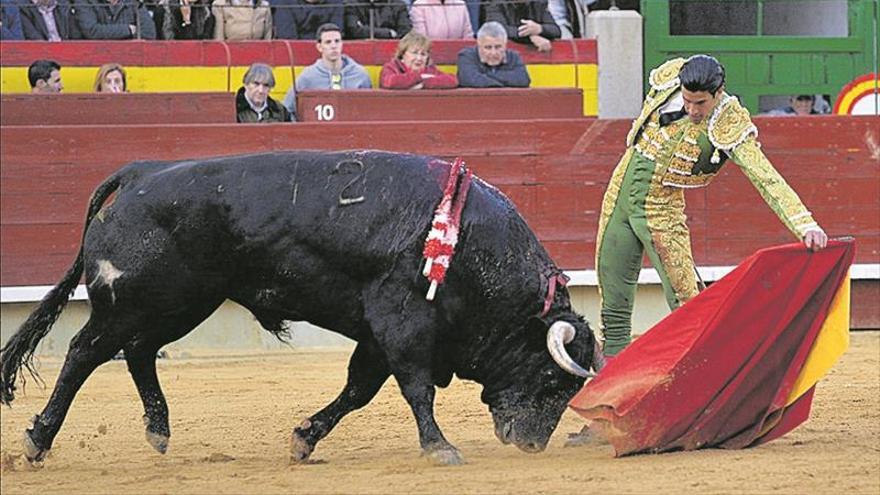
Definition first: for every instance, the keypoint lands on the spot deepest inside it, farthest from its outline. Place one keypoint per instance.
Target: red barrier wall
(554, 170)
(117, 109)
(335, 105)
(439, 104)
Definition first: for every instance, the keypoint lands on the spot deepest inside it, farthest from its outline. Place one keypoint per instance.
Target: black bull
(334, 239)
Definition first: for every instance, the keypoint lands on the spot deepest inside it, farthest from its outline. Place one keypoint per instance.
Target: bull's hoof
(531, 447)
(157, 441)
(444, 456)
(300, 450)
(34, 455)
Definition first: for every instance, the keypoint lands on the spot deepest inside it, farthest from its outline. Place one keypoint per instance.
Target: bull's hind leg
(140, 356)
(367, 372)
(141, 361)
(94, 345)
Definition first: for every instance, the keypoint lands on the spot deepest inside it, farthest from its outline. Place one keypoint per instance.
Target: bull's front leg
(405, 327)
(367, 371)
(419, 393)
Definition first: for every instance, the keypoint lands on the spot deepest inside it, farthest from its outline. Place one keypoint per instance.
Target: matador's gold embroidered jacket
(689, 155)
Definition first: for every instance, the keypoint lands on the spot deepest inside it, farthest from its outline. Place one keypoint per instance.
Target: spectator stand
(215, 66)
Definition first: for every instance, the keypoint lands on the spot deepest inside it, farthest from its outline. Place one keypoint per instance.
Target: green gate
(763, 44)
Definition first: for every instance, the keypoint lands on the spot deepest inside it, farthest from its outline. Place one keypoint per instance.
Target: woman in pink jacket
(442, 19)
(411, 67)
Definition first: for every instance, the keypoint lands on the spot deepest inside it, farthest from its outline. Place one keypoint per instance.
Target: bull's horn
(559, 334)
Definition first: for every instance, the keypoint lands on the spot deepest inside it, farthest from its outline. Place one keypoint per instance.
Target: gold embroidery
(688, 157)
(730, 124)
(664, 81)
(689, 181)
(778, 195)
(642, 151)
(666, 75)
(672, 243)
(676, 146)
(664, 213)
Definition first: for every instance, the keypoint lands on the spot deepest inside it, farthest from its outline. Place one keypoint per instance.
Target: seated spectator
(236, 20)
(253, 103)
(411, 67)
(10, 21)
(527, 22)
(48, 20)
(442, 19)
(45, 77)
(798, 105)
(382, 19)
(490, 64)
(332, 70)
(114, 20)
(300, 19)
(187, 20)
(110, 79)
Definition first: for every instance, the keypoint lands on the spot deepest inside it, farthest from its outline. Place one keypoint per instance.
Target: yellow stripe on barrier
(208, 79)
(139, 79)
(588, 81)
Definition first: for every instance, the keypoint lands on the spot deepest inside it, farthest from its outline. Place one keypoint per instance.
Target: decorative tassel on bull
(441, 240)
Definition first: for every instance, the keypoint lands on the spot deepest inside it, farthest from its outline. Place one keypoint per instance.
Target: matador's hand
(815, 239)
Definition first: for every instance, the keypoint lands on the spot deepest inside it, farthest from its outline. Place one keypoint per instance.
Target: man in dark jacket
(10, 21)
(382, 19)
(526, 21)
(300, 19)
(253, 103)
(490, 64)
(114, 20)
(186, 20)
(48, 20)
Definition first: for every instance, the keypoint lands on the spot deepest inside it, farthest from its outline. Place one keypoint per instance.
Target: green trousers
(644, 217)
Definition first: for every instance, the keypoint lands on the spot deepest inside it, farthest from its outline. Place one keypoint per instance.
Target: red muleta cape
(734, 367)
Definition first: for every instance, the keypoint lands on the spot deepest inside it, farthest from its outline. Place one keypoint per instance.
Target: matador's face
(699, 104)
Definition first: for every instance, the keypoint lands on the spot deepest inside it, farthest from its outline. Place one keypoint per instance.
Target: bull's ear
(536, 332)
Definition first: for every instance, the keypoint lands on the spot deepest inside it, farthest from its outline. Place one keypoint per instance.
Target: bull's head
(527, 408)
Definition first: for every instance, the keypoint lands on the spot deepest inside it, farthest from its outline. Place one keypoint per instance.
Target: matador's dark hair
(702, 73)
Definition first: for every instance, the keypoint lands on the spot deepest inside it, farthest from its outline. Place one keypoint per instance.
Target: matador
(687, 129)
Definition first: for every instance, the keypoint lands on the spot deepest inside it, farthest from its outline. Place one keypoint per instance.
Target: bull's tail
(19, 350)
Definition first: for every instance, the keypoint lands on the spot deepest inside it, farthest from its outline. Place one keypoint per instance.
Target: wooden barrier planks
(437, 105)
(554, 170)
(117, 109)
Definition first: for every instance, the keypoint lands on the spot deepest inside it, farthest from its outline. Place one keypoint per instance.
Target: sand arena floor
(231, 418)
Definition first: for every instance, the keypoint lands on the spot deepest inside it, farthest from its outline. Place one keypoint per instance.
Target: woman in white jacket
(242, 20)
